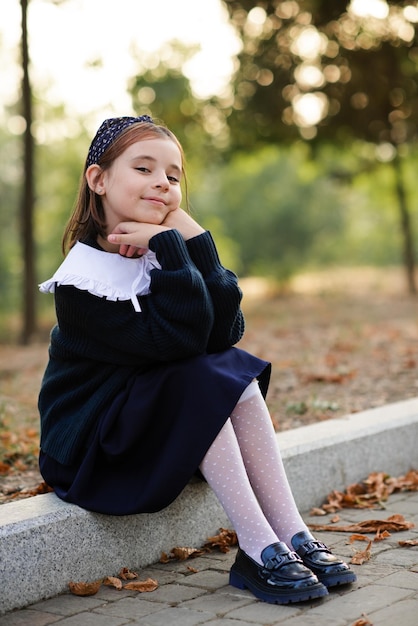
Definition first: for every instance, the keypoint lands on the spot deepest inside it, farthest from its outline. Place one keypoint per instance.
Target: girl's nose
(161, 181)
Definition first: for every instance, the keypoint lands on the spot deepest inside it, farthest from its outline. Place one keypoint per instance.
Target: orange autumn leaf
(317, 511)
(181, 554)
(328, 377)
(112, 581)
(408, 542)
(126, 574)
(85, 589)
(358, 538)
(362, 556)
(39, 489)
(4, 468)
(223, 540)
(372, 491)
(142, 586)
(393, 523)
(192, 569)
(381, 535)
(363, 621)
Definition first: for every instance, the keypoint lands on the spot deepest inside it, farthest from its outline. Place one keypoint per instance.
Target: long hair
(88, 218)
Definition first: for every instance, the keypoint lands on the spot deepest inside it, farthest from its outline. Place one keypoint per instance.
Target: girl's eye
(142, 169)
(173, 179)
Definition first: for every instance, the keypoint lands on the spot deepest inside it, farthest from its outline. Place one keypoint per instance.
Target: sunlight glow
(310, 108)
(411, 14)
(85, 56)
(378, 9)
(308, 76)
(309, 43)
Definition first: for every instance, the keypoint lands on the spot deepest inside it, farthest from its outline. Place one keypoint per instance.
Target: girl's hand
(133, 237)
(131, 251)
(184, 223)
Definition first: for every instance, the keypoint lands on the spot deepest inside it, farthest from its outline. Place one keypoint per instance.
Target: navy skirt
(150, 441)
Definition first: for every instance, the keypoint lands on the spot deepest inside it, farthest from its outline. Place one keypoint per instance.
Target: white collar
(104, 274)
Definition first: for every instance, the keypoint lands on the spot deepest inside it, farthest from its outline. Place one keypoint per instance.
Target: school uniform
(142, 372)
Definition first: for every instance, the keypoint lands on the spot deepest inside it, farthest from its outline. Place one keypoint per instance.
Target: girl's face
(143, 183)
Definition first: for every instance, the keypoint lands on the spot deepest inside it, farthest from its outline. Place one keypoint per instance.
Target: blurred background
(299, 121)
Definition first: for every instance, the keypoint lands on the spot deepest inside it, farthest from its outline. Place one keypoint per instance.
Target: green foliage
(281, 214)
(360, 70)
(163, 92)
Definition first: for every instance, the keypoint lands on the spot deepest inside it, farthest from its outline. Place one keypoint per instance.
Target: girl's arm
(222, 284)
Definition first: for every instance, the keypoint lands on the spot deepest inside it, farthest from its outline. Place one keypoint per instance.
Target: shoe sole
(285, 597)
(337, 580)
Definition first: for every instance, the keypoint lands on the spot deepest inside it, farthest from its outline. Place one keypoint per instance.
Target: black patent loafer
(329, 569)
(281, 580)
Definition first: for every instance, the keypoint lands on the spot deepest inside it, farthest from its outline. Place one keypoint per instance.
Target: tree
(327, 70)
(27, 206)
(163, 91)
(27, 199)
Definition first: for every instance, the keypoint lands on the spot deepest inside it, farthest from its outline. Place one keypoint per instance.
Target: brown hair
(88, 217)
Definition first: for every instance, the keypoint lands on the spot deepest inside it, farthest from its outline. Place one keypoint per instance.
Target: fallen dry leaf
(328, 377)
(381, 535)
(38, 490)
(393, 523)
(372, 491)
(85, 589)
(164, 558)
(406, 543)
(192, 569)
(317, 511)
(362, 556)
(4, 468)
(363, 621)
(223, 540)
(112, 581)
(358, 538)
(181, 554)
(126, 574)
(142, 586)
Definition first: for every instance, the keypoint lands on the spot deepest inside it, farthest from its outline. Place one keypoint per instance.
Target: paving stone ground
(385, 594)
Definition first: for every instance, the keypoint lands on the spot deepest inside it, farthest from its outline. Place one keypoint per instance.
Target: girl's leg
(245, 469)
(263, 462)
(224, 470)
(264, 564)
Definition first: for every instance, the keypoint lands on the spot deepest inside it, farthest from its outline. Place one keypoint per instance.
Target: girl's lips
(156, 200)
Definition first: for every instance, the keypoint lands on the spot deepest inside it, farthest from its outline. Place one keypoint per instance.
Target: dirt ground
(339, 343)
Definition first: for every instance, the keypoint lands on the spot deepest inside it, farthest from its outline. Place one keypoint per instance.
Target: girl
(144, 388)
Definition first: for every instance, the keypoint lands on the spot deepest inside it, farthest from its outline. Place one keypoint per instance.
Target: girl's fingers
(134, 234)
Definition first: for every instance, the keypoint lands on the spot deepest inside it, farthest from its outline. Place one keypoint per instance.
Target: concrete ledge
(45, 543)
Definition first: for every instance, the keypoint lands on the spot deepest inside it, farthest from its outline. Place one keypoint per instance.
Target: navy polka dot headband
(109, 130)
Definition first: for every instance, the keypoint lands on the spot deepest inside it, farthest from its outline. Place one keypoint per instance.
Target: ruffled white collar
(104, 274)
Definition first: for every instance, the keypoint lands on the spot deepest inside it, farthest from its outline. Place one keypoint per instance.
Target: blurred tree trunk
(27, 199)
(407, 234)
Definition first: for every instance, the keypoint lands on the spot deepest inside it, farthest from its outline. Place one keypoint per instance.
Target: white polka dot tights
(244, 468)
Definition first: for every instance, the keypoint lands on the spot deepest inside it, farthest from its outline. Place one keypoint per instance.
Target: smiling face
(142, 184)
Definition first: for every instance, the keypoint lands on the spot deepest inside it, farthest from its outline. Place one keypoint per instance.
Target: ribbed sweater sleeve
(175, 321)
(222, 284)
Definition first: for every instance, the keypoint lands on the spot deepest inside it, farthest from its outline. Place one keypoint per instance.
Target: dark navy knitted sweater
(97, 344)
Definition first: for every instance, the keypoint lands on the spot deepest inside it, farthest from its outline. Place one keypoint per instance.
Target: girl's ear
(94, 178)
